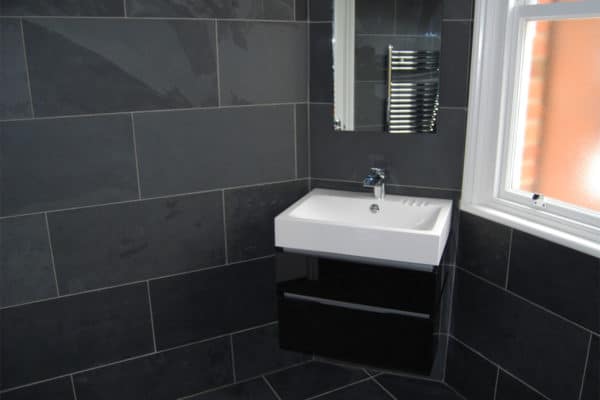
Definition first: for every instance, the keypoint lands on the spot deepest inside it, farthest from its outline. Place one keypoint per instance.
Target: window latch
(538, 200)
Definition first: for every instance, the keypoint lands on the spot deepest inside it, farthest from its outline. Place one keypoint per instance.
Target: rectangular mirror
(386, 65)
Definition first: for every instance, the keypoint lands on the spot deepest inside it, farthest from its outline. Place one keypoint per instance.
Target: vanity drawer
(359, 333)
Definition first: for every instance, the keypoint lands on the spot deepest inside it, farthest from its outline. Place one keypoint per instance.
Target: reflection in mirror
(386, 65)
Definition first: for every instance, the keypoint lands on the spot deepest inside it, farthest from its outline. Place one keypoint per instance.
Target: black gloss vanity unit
(373, 315)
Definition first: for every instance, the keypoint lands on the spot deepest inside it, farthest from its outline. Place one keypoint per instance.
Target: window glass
(559, 151)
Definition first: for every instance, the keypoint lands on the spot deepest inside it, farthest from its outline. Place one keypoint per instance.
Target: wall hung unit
(368, 285)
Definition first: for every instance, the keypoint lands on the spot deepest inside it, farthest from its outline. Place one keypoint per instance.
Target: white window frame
(499, 53)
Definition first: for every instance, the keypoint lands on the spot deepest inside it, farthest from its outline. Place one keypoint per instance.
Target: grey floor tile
(256, 389)
(311, 379)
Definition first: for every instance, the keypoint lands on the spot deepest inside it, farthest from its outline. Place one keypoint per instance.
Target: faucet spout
(376, 180)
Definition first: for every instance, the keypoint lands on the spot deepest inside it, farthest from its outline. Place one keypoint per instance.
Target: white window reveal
(533, 141)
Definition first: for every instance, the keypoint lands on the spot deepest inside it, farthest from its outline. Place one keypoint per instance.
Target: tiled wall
(418, 165)
(145, 146)
(525, 318)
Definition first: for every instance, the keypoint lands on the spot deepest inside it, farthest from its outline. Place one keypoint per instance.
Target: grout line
(294, 10)
(215, 389)
(446, 357)
(151, 315)
(368, 378)
(121, 17)
(137, 357)
(459, 394)
(150, 198)
(51, 256)
(125, 8)
(218, 63)
(585, 367)
(25, 59)
(499, 367)
(538, 306)
(510, 242)
(225, 227)
(496, 383)
(457, 19)
(73, 387)
(160, 110)
(389, 184)
(295, 141)
(120, 285)
(135, 154)
(383, 388)
(232, 358)
(271, 387)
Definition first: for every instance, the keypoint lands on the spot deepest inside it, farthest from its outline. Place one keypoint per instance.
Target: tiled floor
(325, 381)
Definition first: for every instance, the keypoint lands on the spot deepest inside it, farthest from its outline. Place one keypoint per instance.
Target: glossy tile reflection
(94, 66)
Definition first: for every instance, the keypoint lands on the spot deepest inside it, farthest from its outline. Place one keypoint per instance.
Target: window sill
(551, 234)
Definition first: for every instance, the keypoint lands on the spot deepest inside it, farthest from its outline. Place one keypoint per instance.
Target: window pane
(560, 149)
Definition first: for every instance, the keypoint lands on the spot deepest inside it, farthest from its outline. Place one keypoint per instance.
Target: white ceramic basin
(405, 230)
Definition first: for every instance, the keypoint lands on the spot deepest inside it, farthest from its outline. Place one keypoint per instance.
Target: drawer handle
(354, 306)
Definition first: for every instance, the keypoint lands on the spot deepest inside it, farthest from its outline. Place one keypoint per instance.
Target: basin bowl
(398, 230)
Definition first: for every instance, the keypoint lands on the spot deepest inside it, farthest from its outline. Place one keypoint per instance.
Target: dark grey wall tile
(449, 274)
(321, 10)
(83, 66)
(362, 391)
(302, 140)
(544, 350)
(14, 96)
(418, 160)
(55, 337)
(209, 303)
(262, 62)
(440, 348)
(108, 245)
(165, 375)
(561, 279)
(248, 9)
(511, 389)
(301, 10)
(255, 389)
(422, 17)
(104, 8)
(591, 383)
(321, 64)
(66, 162)
(370, 99)
(375, 17)
(249, 214)
(58, 389)
(187, 151)
(468, 373)
(257, 351)
(458, 9)
(454, 63)
(409, 388)
(484, 247)
(26, 272)
(311, 379)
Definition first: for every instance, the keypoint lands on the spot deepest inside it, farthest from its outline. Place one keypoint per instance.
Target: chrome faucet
(376, 180)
